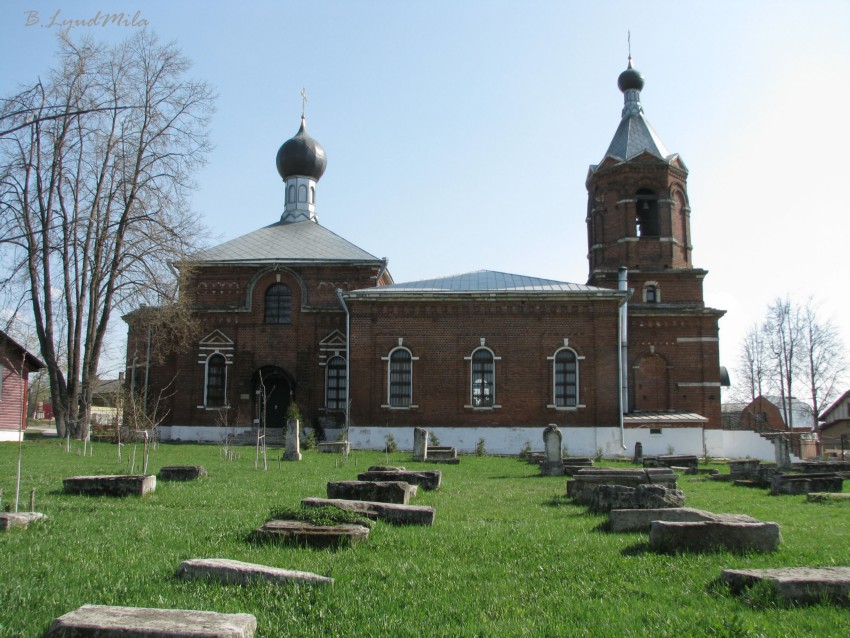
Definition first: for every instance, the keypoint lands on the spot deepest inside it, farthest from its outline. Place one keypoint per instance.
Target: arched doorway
(273, 389)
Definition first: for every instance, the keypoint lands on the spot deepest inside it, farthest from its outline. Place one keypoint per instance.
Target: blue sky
(459, 133)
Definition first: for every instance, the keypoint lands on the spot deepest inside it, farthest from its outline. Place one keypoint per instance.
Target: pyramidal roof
(297, 242)
(483, 281)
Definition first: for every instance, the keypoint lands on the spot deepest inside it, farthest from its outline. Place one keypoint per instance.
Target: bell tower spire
(638, 214)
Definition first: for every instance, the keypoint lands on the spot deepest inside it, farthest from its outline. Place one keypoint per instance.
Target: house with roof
(834, 429)
(292, 313)
(16, 363)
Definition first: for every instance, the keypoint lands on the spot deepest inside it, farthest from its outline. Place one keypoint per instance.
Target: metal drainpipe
(347, 357)
(623, 349)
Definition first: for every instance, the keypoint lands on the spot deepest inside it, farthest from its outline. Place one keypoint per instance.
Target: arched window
(302, 193)
(278, 304)
(566, 378)
(647, 213)
(312, 195)
(335, 383)
(216, 381)
(290, 194)
(650, 294)
(400, 378)
(483, 381)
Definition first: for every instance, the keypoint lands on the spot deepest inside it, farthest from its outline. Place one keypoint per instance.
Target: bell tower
(638, 219)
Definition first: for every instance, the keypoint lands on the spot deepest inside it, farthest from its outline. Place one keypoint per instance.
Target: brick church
(293, 313)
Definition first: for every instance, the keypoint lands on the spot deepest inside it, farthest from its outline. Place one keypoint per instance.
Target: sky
(459, 132)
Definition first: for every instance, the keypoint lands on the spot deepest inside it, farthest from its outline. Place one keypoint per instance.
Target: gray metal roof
(297, 242)
(663, 417)
(483, 281)
(634, 136)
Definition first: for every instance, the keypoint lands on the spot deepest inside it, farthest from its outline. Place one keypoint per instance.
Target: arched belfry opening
(646, 217)
(273, 392)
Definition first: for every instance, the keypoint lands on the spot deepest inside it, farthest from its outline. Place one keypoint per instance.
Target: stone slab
(181, 472)
(796, 584)
(111, 485)
(226, 570)
(379, 491)
(706, 536)
(444, 461)
(581, 487)
(816, 497)
(634, 520)
(335, 447)
(386, 468)
(426, 479)
(387, 512)
(301, 533)
(604, 498)
(102, 621)
(19, 519)
(806, 483)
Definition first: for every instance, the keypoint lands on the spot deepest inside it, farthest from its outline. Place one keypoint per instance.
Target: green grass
(508, 554)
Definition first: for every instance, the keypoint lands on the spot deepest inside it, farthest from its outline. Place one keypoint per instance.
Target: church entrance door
(273, 389)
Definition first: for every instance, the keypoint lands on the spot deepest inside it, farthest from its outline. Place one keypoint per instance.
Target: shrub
(480, 449)
(525, 450)
(391, 445)
(433, 439)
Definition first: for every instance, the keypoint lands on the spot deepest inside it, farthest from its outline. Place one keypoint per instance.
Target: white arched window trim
(651, 284)
(388, 359)
(207, 405)
(494, 394)
(328, 369)
(554, 360)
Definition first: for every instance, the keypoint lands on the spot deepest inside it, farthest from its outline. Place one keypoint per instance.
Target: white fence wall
(580, 441)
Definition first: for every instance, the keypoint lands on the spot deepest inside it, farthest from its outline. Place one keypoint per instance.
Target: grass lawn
(508, 554)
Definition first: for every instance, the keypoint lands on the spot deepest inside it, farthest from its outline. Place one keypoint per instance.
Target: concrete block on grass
(102, 621)
(233, 571)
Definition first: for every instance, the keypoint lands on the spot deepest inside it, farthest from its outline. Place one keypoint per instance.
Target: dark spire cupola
(638, 212)
(301, 162)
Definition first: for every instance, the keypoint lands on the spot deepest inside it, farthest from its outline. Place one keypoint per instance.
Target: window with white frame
(335, 383)
(483, 380)
(400, 386)
(565, 375)
(216, 381)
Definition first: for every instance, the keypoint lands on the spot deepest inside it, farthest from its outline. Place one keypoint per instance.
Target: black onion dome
(301, 155)
(630, 79)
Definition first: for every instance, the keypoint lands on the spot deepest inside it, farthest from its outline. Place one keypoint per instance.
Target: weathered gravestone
(19, 519)
(378, 491)
(672, 460)
(638, 457)
(806, 483)
(111, 485)
(801, 585)
(293, 440)
(101, 621)
(608, 497)
(583, 483)
(707, 536)
(442, 454)
(181, 472)
(225, 570)
(309, 535)
(335, 447)
(640, 520)
(420, 444)
(387, 512)
(553, 464)
(426, 479)
(819, 497)
(782, 451)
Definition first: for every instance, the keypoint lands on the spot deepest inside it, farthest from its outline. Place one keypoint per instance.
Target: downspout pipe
(344, 306)
(623, 349)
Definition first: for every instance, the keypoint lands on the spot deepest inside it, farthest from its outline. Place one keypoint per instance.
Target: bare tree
(95, 166)
(825, 364)
(783, 333)
(753, 361)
